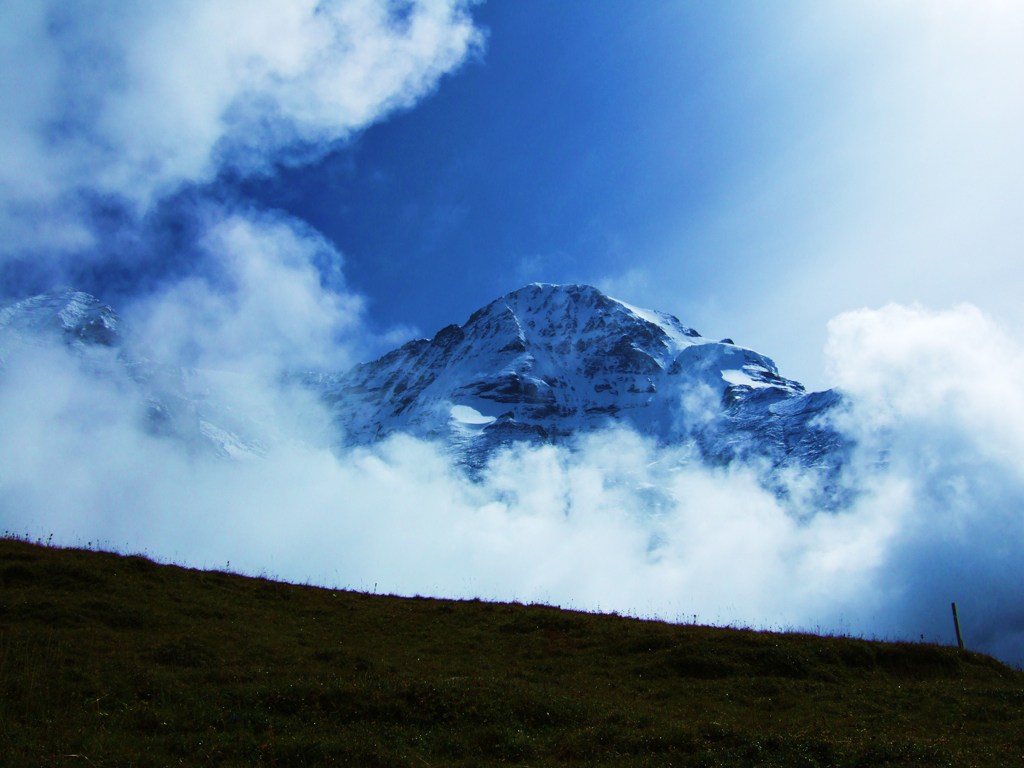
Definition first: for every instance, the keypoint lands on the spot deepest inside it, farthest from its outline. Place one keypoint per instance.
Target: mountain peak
(548, 362)
(77, 316)
(546, 311)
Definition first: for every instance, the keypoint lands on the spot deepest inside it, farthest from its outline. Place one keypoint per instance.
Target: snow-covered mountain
(78, 318)
(543, 364)
(546, 363)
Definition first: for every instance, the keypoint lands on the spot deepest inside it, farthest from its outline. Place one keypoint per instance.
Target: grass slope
(108, 660)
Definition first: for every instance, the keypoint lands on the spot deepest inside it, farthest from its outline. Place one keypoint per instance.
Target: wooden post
(956, 624)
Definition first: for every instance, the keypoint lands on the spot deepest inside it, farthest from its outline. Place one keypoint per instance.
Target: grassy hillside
(108, 660)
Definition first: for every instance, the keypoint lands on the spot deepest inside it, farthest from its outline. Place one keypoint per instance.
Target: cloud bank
(615, 524)
(936, 392)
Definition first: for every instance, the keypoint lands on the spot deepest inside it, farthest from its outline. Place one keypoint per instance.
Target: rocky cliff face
(546, 363)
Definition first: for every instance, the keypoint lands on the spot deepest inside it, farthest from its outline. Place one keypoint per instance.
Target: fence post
(956, 624)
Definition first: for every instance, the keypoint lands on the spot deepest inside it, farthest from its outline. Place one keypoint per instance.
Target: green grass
(107, 660)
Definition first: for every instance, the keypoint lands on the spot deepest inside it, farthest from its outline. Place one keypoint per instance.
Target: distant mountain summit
(76, 317)
(547, 363)
(168, 401)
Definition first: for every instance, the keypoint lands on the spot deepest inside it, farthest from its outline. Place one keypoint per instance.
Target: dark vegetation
(108, 660)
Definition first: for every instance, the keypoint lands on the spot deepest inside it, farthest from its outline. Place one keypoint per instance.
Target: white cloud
(938, 393)
(132, 101)
(262, 303)
(909, 366)
(135, 99)
(617, 524)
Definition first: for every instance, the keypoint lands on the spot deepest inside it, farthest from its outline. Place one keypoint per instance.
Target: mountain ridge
(546, 363)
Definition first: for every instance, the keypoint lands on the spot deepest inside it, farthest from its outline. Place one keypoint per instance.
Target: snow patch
(655, 318)
(464, 414)
(738, 377)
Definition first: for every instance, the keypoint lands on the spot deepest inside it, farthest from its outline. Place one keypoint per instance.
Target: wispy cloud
(935, 391)
(133, 100)
(265, 281)
(123, 114)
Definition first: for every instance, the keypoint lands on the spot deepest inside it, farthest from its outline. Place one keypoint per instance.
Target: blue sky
(564, 152)
(583, 144)
(754, 168)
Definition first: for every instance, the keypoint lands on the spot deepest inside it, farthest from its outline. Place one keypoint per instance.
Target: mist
(612, 523)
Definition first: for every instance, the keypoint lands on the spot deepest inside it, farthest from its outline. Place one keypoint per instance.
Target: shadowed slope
(118, 661)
